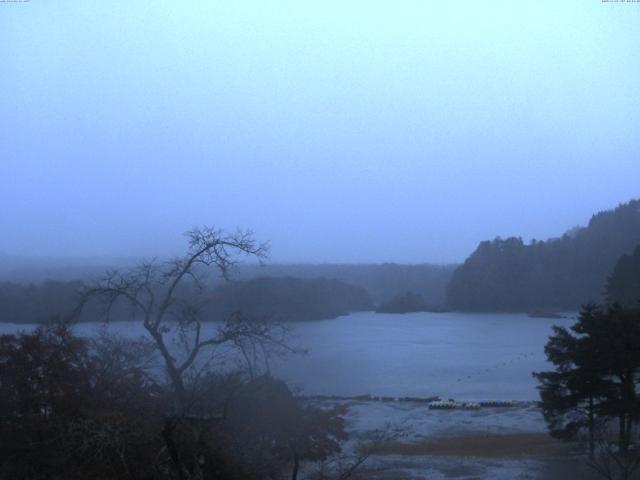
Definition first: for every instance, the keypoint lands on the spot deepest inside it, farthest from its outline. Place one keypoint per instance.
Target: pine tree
(597, 370)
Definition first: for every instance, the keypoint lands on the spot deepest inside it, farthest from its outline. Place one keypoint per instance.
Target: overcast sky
(339, 131)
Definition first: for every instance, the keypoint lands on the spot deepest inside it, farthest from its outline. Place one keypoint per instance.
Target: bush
(75, 408)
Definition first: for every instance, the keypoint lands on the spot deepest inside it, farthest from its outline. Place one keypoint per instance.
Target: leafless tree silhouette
(169, 298)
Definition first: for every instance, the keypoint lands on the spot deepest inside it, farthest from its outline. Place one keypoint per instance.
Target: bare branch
(154, 290)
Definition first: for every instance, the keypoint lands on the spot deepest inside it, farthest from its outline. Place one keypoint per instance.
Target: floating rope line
(495, 366)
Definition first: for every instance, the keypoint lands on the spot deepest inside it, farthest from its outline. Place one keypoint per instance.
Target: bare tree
(169, 297)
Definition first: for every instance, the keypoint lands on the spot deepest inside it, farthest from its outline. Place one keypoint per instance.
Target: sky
(339, 131)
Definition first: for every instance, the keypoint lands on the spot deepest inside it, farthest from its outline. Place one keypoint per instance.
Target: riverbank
(484, 444)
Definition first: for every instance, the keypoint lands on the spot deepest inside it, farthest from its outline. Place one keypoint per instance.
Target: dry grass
(490, 446)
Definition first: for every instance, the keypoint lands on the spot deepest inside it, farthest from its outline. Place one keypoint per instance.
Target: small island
(288, 299)
(408, 303)
(546, 314)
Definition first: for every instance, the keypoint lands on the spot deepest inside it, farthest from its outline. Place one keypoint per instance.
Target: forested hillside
(289, 299)
(560, 273)
(32, 303)
(383, 281)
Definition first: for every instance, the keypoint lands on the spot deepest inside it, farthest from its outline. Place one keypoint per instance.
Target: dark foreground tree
(596, 376)
(73, 408)
(69, 409)
(571, 394)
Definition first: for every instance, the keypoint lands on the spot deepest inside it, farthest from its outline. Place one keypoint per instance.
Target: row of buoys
(374, 398)
(453, 405)
(498, 403)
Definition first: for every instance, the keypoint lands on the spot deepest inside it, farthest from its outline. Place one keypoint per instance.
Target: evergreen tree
(572, 393)
(597, 370)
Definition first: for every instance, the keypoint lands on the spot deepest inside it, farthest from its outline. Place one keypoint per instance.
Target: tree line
(286, 299)
(560, 273)
(381, 281)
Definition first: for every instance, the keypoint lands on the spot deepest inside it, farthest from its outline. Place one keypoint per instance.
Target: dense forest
(38, 302)
(407, 303)
(286, 299)
(293, 291)
(289, 299)
(560, 273)
(382, 281)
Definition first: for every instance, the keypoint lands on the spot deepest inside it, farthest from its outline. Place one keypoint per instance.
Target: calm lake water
(458, 355)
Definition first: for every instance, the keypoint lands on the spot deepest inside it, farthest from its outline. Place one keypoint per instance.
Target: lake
(466, 356)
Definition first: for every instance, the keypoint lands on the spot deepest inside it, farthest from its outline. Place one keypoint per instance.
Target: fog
(319, 240)
(338, 131)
